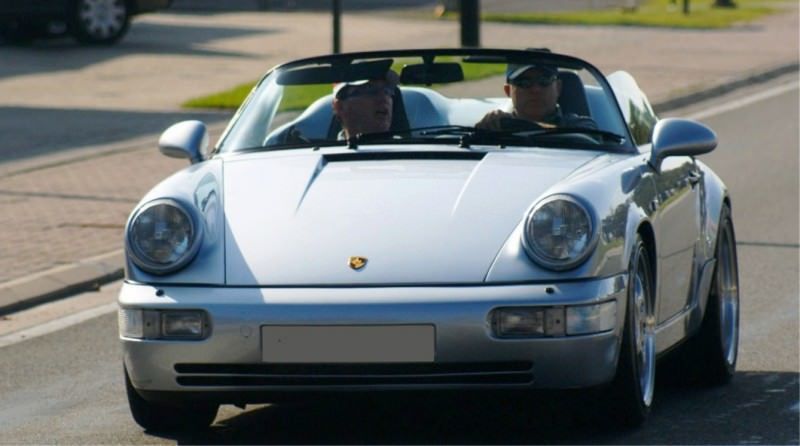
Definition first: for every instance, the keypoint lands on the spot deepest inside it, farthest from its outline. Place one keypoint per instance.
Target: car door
(678, 227)
(675, 207)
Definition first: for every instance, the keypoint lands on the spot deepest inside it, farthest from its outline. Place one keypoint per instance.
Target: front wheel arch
(630, 394)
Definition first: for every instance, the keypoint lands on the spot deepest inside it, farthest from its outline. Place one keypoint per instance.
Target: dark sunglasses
(528, 82)
(366, 90)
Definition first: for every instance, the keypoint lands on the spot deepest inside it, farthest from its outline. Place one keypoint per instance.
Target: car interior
(416, 107)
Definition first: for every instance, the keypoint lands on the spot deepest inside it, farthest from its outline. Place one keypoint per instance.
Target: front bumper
(466, 352)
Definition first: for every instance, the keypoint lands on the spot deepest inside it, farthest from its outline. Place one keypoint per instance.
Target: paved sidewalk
(60, 210)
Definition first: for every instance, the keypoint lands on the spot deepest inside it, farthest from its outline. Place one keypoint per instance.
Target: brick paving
(59, 209)
(65, 213)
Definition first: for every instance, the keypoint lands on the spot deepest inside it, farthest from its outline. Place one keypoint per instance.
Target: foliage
(654, 13)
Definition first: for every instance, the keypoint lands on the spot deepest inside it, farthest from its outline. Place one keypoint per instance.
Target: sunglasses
(528, 82)
(366, 91)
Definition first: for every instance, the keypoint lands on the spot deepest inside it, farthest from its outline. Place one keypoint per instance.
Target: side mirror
(186, 139)
(680, 137)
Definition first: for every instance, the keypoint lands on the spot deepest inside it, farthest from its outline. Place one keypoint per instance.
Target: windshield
(446, 97)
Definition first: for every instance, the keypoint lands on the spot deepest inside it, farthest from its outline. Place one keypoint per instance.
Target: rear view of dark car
(95, 22)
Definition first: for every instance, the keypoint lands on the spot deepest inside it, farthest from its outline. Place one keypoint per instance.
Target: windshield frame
(476, 54)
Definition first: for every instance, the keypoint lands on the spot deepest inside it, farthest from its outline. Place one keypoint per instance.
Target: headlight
(559, 233)
(163, 236)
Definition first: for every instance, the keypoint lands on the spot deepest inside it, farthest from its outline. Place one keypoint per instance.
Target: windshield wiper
(412, 134)
(606, 136)
(475, 135)
(471, 135)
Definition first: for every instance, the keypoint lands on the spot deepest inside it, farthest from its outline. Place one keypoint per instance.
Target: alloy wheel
(102, 19)
(644, 333)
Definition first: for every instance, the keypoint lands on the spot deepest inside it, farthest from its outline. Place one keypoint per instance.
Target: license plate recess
(347, 344)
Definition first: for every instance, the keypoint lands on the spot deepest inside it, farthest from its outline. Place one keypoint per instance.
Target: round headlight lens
(162, 237)
(559, 233)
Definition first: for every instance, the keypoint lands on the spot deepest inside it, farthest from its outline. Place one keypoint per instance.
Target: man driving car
(534, 90)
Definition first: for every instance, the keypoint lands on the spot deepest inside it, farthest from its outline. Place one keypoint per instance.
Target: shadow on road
(29, 132)
(756, 408)
(63, 54)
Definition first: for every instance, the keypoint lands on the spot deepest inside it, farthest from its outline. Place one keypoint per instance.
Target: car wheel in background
(631, 393)
(168, 418)
(99, 22)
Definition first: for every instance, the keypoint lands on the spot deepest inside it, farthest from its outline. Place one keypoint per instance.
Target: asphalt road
(66, 387)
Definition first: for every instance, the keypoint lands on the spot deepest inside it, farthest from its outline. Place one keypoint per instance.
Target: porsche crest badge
(357, 262)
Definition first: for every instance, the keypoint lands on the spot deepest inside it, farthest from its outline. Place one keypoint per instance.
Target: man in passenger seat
(365, 106)
(534, 92)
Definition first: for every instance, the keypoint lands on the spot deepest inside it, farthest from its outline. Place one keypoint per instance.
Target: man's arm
(491, 121)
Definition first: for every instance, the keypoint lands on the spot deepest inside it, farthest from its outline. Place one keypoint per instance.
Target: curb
(60, 282)
(89, 274)
(681, 101)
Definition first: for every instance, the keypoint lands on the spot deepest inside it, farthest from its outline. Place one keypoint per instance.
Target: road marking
(745, 101)
(57, 324)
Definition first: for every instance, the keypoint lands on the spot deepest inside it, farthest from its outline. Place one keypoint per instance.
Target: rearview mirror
(680, 137)
(432, 73)
(186, 139)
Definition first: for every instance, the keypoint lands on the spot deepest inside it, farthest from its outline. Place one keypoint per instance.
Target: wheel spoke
(102, 18)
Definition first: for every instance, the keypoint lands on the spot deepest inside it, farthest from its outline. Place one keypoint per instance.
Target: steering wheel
(518, 125)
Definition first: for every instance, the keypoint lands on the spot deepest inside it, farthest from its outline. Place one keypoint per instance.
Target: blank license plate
(347, 344)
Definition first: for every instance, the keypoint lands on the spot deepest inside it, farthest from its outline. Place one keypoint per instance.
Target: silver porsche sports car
(454, 219)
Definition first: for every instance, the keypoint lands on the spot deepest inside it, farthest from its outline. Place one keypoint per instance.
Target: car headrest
(573, 95)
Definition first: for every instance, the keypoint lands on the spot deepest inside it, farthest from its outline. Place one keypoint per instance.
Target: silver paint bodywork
(459, 314)
(443, 239)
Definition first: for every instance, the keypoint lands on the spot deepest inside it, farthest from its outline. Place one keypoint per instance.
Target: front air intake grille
(244, 375)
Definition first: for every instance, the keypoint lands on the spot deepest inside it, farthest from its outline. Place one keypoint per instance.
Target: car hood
(296, 218)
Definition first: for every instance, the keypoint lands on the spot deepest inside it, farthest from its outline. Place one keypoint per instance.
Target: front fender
(716, 195)
(199, 187)
(619, 192)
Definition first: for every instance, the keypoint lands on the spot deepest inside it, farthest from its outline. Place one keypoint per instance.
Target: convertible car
(295, 258)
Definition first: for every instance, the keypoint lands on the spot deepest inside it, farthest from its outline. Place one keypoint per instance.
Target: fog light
(519, 322)
(183, 324)
(587, 319)
(131, 323)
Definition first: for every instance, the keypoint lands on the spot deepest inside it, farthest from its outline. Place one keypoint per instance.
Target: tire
(168, 418)
(710, 356)
(631, 392)
(99, 22)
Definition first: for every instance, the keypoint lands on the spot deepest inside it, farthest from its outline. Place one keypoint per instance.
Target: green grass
(297, 97)
(228, 99)
(651, 13)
